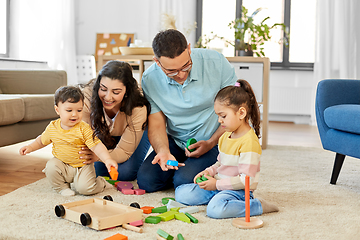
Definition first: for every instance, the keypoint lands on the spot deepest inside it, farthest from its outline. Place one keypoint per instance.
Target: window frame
(285, 64)
(6, 55)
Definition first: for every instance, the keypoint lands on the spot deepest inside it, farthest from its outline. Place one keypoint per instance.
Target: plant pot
(244, 53)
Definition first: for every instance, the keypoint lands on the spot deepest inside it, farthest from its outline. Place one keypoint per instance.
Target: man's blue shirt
(189, 108)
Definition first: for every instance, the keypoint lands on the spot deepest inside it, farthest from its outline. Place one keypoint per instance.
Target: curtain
(337, 42)
(43, 30)
(184, 14)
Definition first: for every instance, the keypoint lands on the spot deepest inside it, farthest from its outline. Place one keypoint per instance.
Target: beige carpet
(296, 179)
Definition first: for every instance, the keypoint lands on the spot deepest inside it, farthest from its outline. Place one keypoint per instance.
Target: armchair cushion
(342, 117)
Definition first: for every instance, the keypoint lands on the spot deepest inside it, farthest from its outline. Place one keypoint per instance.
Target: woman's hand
(88, 156)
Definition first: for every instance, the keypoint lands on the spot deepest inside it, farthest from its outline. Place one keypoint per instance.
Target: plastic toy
(164, 234)
(201, 179)
(124, 185)
(165, 200)
(180, 237)
(194, 220)
(192, 209)
(153, 219)
(182, 217)
(161, 209)
(139, 191)
(247, 222)
(190, 142)
(117, 236)
(147, 209)
(98, 213)
(113, 173)
(137, 223)
(166, 216)
(172, 163)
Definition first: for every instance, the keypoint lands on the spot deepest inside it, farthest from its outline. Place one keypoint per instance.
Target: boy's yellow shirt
(68, 143)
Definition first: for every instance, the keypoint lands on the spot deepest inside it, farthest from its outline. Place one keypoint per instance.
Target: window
(297, 15)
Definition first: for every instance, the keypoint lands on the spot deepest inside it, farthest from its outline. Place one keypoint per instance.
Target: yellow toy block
(182, 217)
(166, 216)
(175, 209)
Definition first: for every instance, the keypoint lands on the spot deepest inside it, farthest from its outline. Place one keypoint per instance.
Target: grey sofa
(27, 102)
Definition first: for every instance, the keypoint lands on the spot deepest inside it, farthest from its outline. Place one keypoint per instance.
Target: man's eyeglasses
(173, 73)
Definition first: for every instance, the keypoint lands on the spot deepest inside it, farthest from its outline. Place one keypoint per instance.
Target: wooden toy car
(99, 213)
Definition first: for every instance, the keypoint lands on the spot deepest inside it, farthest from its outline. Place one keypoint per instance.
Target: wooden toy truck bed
(98, 213)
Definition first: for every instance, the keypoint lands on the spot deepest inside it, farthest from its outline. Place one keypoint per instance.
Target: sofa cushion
(12, 109)
(37, 106)
(344, 117)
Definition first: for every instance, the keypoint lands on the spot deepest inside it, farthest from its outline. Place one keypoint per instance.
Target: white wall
(142, 17)
(290, 93)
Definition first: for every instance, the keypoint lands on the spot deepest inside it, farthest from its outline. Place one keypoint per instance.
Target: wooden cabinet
(255, 70)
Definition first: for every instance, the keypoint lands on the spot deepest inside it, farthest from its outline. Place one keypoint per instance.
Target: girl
(117, 111)
(239, 155)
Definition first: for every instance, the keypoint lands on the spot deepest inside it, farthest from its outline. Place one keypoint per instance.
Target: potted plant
(250, 37)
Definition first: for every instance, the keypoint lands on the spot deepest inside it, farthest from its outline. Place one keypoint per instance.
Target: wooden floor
(17, 171)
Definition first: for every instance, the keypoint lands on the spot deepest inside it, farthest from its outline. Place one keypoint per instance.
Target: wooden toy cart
(98, 213)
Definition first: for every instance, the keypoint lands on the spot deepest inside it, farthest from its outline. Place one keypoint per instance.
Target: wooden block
(132, 228)
(180, 237)
(113, 173)
(139, 191)
(117, 236)
(127, 191)
(106, 177)
(165, 200)
(164, 234)
(153, 219)
(159, 209)
(166, 216)
(182, 217)
(137, 223)
(194, 220)
(124, 185)
(147, 209)
(192, 209)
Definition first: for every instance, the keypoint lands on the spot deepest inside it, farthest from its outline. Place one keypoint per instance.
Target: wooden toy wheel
(59, 210)
(85, 219)
(135, 205)
(108, 197)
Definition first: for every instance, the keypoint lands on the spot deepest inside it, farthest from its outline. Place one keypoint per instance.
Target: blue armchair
(337, 107)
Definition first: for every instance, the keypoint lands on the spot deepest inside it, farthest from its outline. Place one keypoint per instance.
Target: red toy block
(113, 173)
(127, 191)
(124, 185)
(137, 223)
(117, 236)
(147, 209)
(139, 191)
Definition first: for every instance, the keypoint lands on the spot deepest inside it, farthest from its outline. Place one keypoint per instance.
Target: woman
(117, 111)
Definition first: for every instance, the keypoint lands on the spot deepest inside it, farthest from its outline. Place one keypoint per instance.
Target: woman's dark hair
(117, 71)
(242, 95)
(169, 43)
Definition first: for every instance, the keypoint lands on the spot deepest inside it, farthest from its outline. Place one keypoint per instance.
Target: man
(181, 86)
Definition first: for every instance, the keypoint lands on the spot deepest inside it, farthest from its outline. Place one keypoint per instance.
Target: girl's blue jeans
(128, 169)
(152, 178)
(221, 204)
